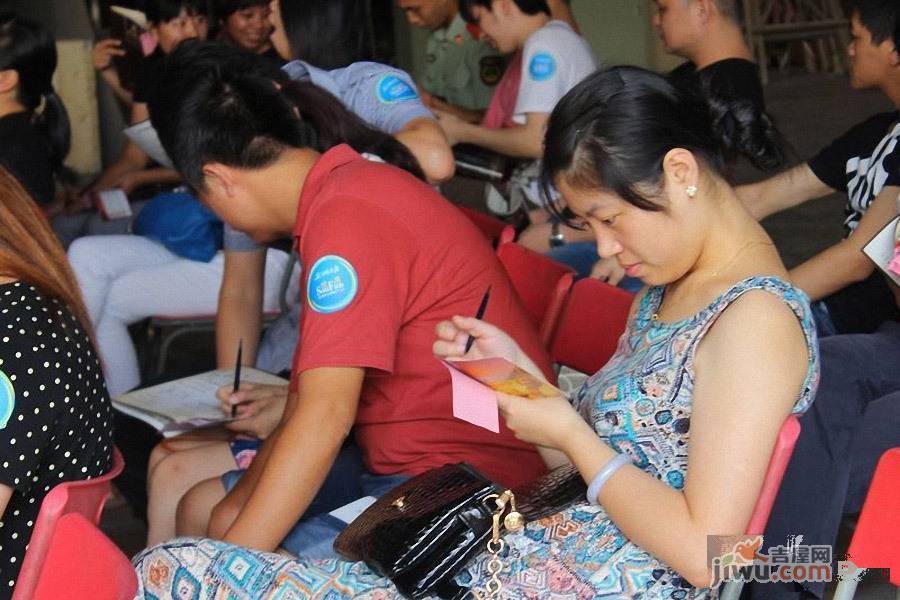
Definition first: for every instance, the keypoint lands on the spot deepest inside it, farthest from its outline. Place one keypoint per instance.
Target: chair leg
(846, 589)
(166, 340)
(731, 590)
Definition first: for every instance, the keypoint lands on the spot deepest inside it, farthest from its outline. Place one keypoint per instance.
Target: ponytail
(30, 50)
(738, 114)
(53, 122)
(335, 124)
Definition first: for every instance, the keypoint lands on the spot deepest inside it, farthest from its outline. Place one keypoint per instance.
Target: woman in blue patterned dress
(719, 349)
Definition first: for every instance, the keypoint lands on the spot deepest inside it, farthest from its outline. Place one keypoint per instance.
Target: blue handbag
(182, 224)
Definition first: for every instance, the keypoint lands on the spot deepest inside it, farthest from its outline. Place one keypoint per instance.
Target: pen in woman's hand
(478, 315)
(237, 377)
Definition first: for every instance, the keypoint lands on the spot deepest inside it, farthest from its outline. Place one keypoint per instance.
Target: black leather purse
(423, 532)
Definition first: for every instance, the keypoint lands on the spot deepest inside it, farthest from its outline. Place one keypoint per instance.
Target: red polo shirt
(385, 259)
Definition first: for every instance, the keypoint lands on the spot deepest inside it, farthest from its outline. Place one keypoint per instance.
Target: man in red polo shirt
(385, 260)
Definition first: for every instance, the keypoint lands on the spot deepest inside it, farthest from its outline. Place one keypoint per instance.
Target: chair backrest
(490, 226)
(85, 497)
(592, 321)
(781, 456)
(541, 283)
(876, 540)
(83, 564)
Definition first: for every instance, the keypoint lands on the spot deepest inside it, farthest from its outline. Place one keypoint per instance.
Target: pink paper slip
(474, 402)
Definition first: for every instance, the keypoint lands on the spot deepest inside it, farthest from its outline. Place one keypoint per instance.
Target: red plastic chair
(85, 497)
(541, 283)
(83, 564)
(876, 539)
(781, 456)
(491, 227)
(590, 326)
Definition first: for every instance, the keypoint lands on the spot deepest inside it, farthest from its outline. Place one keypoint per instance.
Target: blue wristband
(603, 476)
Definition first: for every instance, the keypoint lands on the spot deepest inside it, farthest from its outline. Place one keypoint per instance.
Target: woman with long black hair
(34, 124)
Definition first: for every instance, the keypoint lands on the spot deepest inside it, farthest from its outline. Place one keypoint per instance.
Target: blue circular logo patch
(393, 89)
(7, 399)
(332, 284)
(542, 66)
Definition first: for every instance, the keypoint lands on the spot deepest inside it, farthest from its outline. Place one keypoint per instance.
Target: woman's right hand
(259, 407)
(490, 341)
(104, 51)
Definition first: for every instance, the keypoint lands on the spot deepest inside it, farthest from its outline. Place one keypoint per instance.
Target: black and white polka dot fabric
(55, 414)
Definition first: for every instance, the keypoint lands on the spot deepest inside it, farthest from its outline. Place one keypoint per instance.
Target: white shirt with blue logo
(554, 60)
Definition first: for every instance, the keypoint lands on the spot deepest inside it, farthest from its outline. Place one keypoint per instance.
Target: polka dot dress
(55, 414)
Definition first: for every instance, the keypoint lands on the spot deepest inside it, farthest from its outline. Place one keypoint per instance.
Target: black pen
(478, 315)
(237, 377)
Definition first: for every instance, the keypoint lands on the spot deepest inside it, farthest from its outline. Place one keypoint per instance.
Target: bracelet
(557, 237)
(603, 476)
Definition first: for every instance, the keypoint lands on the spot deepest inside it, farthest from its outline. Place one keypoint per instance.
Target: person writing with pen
(378, 277)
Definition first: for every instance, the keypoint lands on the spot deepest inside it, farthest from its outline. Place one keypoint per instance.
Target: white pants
(126, 278)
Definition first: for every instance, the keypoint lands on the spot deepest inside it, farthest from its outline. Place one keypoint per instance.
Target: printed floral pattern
(640, 403)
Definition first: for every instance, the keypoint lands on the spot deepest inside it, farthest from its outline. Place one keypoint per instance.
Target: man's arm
(466, 114)
(537, 236)
(426, 141)
(308, 440)
(844, 263)
(127, 172)
(785, 190)
(103, 54)
(239, 316)
(525, 141)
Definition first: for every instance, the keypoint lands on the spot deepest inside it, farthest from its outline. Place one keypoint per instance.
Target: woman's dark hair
(613, 130)
(529, 7)
(216, 103)
(328, 34)
(30, 50)
(226, 8)
(163, 11)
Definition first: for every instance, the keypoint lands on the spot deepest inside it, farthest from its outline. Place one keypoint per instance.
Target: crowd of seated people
(276, 123)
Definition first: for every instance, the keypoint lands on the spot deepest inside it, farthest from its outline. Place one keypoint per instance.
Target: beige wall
(74, 82)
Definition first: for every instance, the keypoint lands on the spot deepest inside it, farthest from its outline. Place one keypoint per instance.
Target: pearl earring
(691, 191)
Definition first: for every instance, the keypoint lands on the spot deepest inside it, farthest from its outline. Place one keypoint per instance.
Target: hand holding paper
(476, 383)
(881, 249)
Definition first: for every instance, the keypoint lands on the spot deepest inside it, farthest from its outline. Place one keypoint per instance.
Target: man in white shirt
(554, 60)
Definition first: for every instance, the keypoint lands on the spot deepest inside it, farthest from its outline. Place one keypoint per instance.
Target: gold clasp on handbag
(512, 520)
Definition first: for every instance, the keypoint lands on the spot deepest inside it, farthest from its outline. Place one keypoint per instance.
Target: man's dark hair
(328, 34)
(897, 36)
(878, 16)
(218, 103)
(162, 11)
(529, 7)
(731, 9)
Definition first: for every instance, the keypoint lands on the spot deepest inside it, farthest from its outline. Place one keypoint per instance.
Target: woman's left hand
(547, 422)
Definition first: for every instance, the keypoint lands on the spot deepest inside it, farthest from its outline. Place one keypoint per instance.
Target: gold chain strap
(514, 521)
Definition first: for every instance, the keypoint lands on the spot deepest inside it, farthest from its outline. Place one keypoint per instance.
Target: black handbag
(424, 531)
